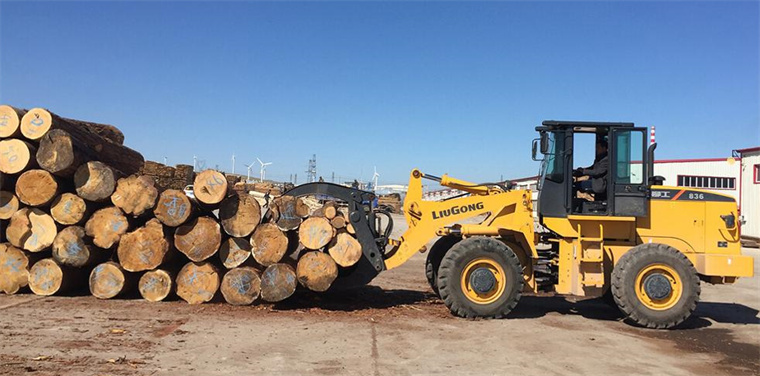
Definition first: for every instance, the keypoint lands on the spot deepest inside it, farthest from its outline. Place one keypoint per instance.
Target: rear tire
(480, 277)
(655, 286)
(434, 258)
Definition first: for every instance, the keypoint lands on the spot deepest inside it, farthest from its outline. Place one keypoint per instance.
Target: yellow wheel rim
(658, 287)
(473, 276)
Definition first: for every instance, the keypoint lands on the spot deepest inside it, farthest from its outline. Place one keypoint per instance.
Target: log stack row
(79, 209)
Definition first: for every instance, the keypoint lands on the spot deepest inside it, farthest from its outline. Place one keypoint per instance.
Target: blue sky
(446, 87)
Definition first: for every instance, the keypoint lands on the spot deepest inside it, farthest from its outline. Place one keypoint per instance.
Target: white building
(749, 191)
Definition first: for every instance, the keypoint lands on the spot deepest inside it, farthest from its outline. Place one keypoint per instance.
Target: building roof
(749, 150)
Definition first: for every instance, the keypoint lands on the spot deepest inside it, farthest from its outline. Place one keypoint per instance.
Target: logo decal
(457, 210)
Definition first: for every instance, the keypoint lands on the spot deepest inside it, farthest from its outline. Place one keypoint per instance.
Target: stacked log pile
(79, 209)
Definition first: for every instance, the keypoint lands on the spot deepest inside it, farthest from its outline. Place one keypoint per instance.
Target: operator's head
(601, 146)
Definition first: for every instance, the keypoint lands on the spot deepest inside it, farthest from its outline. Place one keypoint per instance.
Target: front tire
(655, 286)
(434, 258)
(480, 277)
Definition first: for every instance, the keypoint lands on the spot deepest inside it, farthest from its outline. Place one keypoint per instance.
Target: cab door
(628, 166)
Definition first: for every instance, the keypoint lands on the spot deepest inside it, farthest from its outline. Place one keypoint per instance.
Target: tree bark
(278, 282)
(241, 286)
(68, 209)
(173, 208)
(268, 244)
(58, 155)
(14, 268)
(135, 194)
(37, 122)
(8, 204)
(106, 226)
(109, 280)
(145, 248)
(210, 187)
(198, 239)
(197, 282)
(10, 119)
(72, 247)
(234, 252)
(315, 233)
(31, 229)
(316, 271)
(16, 156)
(36, 188)
(95, 181)
(47, 277)
(156, 285)
(239, 214)
(345, 250)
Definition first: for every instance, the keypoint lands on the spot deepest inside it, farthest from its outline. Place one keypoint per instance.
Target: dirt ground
(394, 326)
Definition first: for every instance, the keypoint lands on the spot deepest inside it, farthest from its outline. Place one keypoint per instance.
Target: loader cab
(568, 147)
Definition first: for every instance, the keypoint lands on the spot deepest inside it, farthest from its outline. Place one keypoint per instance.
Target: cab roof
(581, 126)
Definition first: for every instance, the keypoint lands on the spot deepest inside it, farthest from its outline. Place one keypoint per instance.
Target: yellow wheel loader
(644, 244)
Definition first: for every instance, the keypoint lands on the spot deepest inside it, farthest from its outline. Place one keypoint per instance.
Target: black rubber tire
(624, 290)
(434, 257)
(453, 265)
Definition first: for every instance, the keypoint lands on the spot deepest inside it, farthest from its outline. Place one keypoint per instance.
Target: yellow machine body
(588, 245)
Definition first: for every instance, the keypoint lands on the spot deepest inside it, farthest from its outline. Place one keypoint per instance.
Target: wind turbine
(233, 163)
(195, 163)
(374, 179)
(248, 168)
(263, 169)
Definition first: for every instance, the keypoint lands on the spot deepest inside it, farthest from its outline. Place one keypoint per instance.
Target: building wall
(750, 196)
(702, 174)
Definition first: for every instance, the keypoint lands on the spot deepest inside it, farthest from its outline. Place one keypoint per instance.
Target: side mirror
(544, 143)
(535, 150)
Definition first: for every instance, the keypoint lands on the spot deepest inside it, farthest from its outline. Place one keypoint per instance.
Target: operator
(594, 178)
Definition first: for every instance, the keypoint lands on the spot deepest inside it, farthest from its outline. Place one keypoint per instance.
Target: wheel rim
(483, 281)
(658, 287)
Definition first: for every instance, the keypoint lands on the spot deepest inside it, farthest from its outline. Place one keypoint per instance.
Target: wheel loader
(645, 245)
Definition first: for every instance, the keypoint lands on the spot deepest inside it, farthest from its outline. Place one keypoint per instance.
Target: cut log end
(36, 187)
(106, 226)
(143, 249)
(155, 285)
(71, 248)
(58, 155)
(14, 269)
(10, 120)
(46, 277)
(210, 187)
(198, 239)
(290, 212)
(95, 181)
(68, 209)
(173, 208)
(107, 280)
(278, 282)
(135, 194)
(239, 215)
(234, 252)
(197, 282)
(35, 123)
(8, 204)
(268, 244)
(345, 250)
(31, 229)
(241, 286)
(316, 271)
(16, 156)
(315, 233)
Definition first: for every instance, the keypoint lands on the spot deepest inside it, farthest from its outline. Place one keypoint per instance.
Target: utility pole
(311, 172)
(295, 179)
(333, 177)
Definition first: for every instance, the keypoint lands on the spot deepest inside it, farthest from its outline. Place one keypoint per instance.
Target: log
(330, 210)
(316, 271)
(58, 155)
(10, 119)
(47, 277)
(241, 286)
(156, 285)
(239, 214)
(68, 209)
(345, 250)
(135, 194)
(198, 239)
(31, 229)
(106, 226)
(16, 156)
(173, 208)
(197, 282)
(290, 212)
(338, 222)
(95, 181)
(350, 229)
(36, 188)
(268, 244)
(109, 280)
(234, 252)
(37, 122)
(315, 233)
(72, 247)
(145, 248)
(8, 204)
(278, 282)
(14, 268)
(210, 187)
